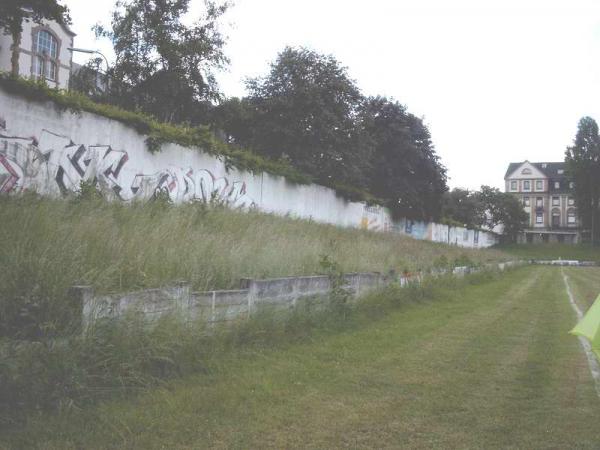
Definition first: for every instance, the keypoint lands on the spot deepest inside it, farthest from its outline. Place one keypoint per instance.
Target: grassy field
(585, 284)
(484, 365)
(583, 252)
(50, 245)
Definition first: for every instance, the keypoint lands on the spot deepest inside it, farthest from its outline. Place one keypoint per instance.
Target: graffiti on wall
(374, 218)
(54, 164)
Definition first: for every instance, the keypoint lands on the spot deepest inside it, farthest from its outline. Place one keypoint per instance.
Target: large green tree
(163, 66)
(404, 167)
(502, 208)
(14, 12)
(583, 166)
(464, 207)
(304, 110)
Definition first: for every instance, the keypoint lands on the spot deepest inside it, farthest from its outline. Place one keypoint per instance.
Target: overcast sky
(496, 81)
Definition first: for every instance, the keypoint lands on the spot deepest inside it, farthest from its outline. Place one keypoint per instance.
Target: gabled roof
(550, 169)
(64, 26)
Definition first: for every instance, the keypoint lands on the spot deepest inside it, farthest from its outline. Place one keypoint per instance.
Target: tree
(583, 166)
(404, 167)
(90, 80)
(14, 12)
(463, 206)
(305, 110)
(233, 117)
(164, 67)
(502, 208)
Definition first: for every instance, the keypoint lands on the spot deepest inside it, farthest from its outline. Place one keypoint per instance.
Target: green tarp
(589, 327)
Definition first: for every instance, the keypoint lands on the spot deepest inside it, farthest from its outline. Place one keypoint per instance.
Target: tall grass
(119, 358)
(49, 245)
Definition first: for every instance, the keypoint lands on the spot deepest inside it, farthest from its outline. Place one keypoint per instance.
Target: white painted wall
(50, 152)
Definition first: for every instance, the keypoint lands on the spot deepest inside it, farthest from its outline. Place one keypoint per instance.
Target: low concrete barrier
(227, 305)
(564, 262)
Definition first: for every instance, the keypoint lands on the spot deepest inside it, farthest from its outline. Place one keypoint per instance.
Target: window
(539, 202)
(46, 44)
(539, 218)
(513, 185)
(557, 185)
(539, 185)
(571, 201)
(45, 58)
(555, 218)
(571, 219)
(526, 185)
(555, 201)
(525, 201)
(44, 68)
(571, 185)
(560, 171)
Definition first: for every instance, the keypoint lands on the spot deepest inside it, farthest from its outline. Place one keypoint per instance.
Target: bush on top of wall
(200, 137)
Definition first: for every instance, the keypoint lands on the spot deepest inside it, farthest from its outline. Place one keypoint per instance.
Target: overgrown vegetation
(466, 366)
(199, 137)
(50, 245)
(120, 358)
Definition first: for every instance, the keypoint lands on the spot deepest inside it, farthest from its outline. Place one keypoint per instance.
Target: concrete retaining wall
(227, 305)
(51, 152)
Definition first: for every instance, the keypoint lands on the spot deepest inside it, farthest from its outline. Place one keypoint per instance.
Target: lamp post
(91, 52)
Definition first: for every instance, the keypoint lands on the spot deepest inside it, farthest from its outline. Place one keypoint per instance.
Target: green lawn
(486, 365)
(585, 284)
(582, 252)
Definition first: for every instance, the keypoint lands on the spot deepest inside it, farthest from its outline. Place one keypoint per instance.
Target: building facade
(43, 52)
(547, 197)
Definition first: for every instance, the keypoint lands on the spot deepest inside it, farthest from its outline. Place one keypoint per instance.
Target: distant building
(43, 52)
(547, 196)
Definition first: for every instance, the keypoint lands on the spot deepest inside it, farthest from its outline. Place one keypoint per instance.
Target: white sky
(495, 80)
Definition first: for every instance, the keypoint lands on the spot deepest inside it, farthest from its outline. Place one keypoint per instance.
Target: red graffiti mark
(12, 179)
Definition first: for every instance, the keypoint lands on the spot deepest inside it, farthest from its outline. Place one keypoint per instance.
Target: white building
(547, 197)
(43, 52)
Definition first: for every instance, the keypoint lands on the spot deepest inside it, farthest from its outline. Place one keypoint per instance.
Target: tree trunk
(14, 59)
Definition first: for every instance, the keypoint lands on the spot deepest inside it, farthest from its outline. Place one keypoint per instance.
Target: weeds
(50, 245)
(118, 358)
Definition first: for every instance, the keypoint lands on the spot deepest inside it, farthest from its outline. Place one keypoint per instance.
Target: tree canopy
(163, 66)
(305, 110)
(583, 166)
(463, 207)
(488, 207)
(309, 111)
(404, 168)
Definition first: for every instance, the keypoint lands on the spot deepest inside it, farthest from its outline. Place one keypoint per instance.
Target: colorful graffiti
(374, 218)
(56, 165)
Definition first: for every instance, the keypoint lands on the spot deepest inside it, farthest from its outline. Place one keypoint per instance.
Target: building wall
(534, 185)
(51, 152)
(5, 41)
(65, 40)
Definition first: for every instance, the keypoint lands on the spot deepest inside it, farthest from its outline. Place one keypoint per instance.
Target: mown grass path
(490, 367)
